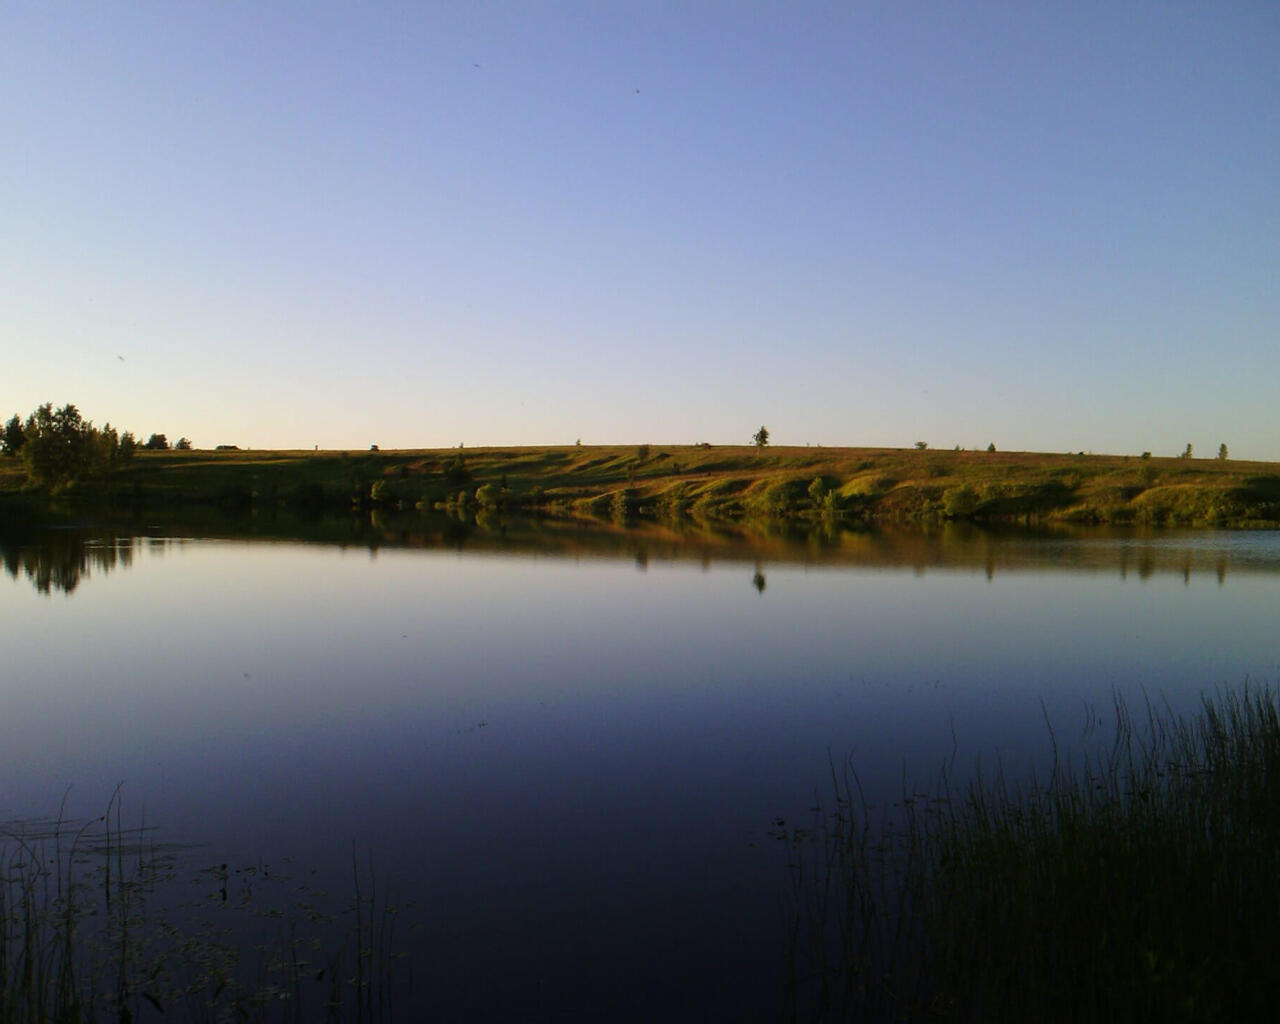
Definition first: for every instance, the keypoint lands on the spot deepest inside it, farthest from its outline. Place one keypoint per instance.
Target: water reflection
(541, 741)
(60, 559)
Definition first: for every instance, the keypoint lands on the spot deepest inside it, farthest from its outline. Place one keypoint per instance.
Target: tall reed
(1137, 884)
(97, 924)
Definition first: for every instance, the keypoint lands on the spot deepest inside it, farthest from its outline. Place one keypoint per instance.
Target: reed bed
(1137, 884)
(98, 923)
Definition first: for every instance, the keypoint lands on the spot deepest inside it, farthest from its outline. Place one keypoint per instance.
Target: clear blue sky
(1048, 225)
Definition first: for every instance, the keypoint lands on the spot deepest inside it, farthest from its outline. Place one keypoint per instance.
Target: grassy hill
(712, 482)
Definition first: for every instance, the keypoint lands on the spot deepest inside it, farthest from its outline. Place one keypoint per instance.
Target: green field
(711, 482)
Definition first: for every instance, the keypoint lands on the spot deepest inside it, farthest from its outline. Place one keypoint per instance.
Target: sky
(1047, 226)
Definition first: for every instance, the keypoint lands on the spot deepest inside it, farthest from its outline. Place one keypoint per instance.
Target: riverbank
(712, 482)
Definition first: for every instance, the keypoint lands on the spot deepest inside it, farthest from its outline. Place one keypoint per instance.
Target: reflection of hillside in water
(61, 559)
(938, 547)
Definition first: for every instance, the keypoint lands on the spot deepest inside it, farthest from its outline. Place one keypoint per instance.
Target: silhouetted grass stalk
(1138, 884)
(93, 927)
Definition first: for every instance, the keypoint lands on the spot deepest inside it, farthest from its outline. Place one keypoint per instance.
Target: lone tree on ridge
(761, 437)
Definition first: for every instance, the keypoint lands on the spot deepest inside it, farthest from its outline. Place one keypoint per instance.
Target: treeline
(59, 447)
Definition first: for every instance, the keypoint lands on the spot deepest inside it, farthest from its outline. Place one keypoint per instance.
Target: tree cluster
(60, 447)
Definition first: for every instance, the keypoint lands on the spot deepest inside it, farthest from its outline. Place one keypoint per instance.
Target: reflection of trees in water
(758, 581)
(60, 559)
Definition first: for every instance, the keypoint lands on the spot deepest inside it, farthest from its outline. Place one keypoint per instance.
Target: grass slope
(709, 482)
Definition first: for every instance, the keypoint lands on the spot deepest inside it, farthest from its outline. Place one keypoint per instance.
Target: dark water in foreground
(567, 745)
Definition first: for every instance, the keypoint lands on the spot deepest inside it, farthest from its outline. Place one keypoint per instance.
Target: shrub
(622, 504)
(960, 502)
(490, 496)
(456, 471)
(777, 498)
(674, 503)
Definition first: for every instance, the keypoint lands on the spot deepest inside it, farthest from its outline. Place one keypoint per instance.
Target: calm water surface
(570, 750)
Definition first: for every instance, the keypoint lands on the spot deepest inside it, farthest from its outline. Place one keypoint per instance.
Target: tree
(183, 445)
(761, 437)
(157, 443)
(13, 436)
(991, 447)
(921, 445)
(1222, 452)
(107, 443)
(58, 446)
(1186, 452)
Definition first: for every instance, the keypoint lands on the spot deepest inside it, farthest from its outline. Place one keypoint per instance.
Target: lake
(569, 744)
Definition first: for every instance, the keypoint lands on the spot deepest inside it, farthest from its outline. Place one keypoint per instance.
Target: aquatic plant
(98, 924)
(1136, 885)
